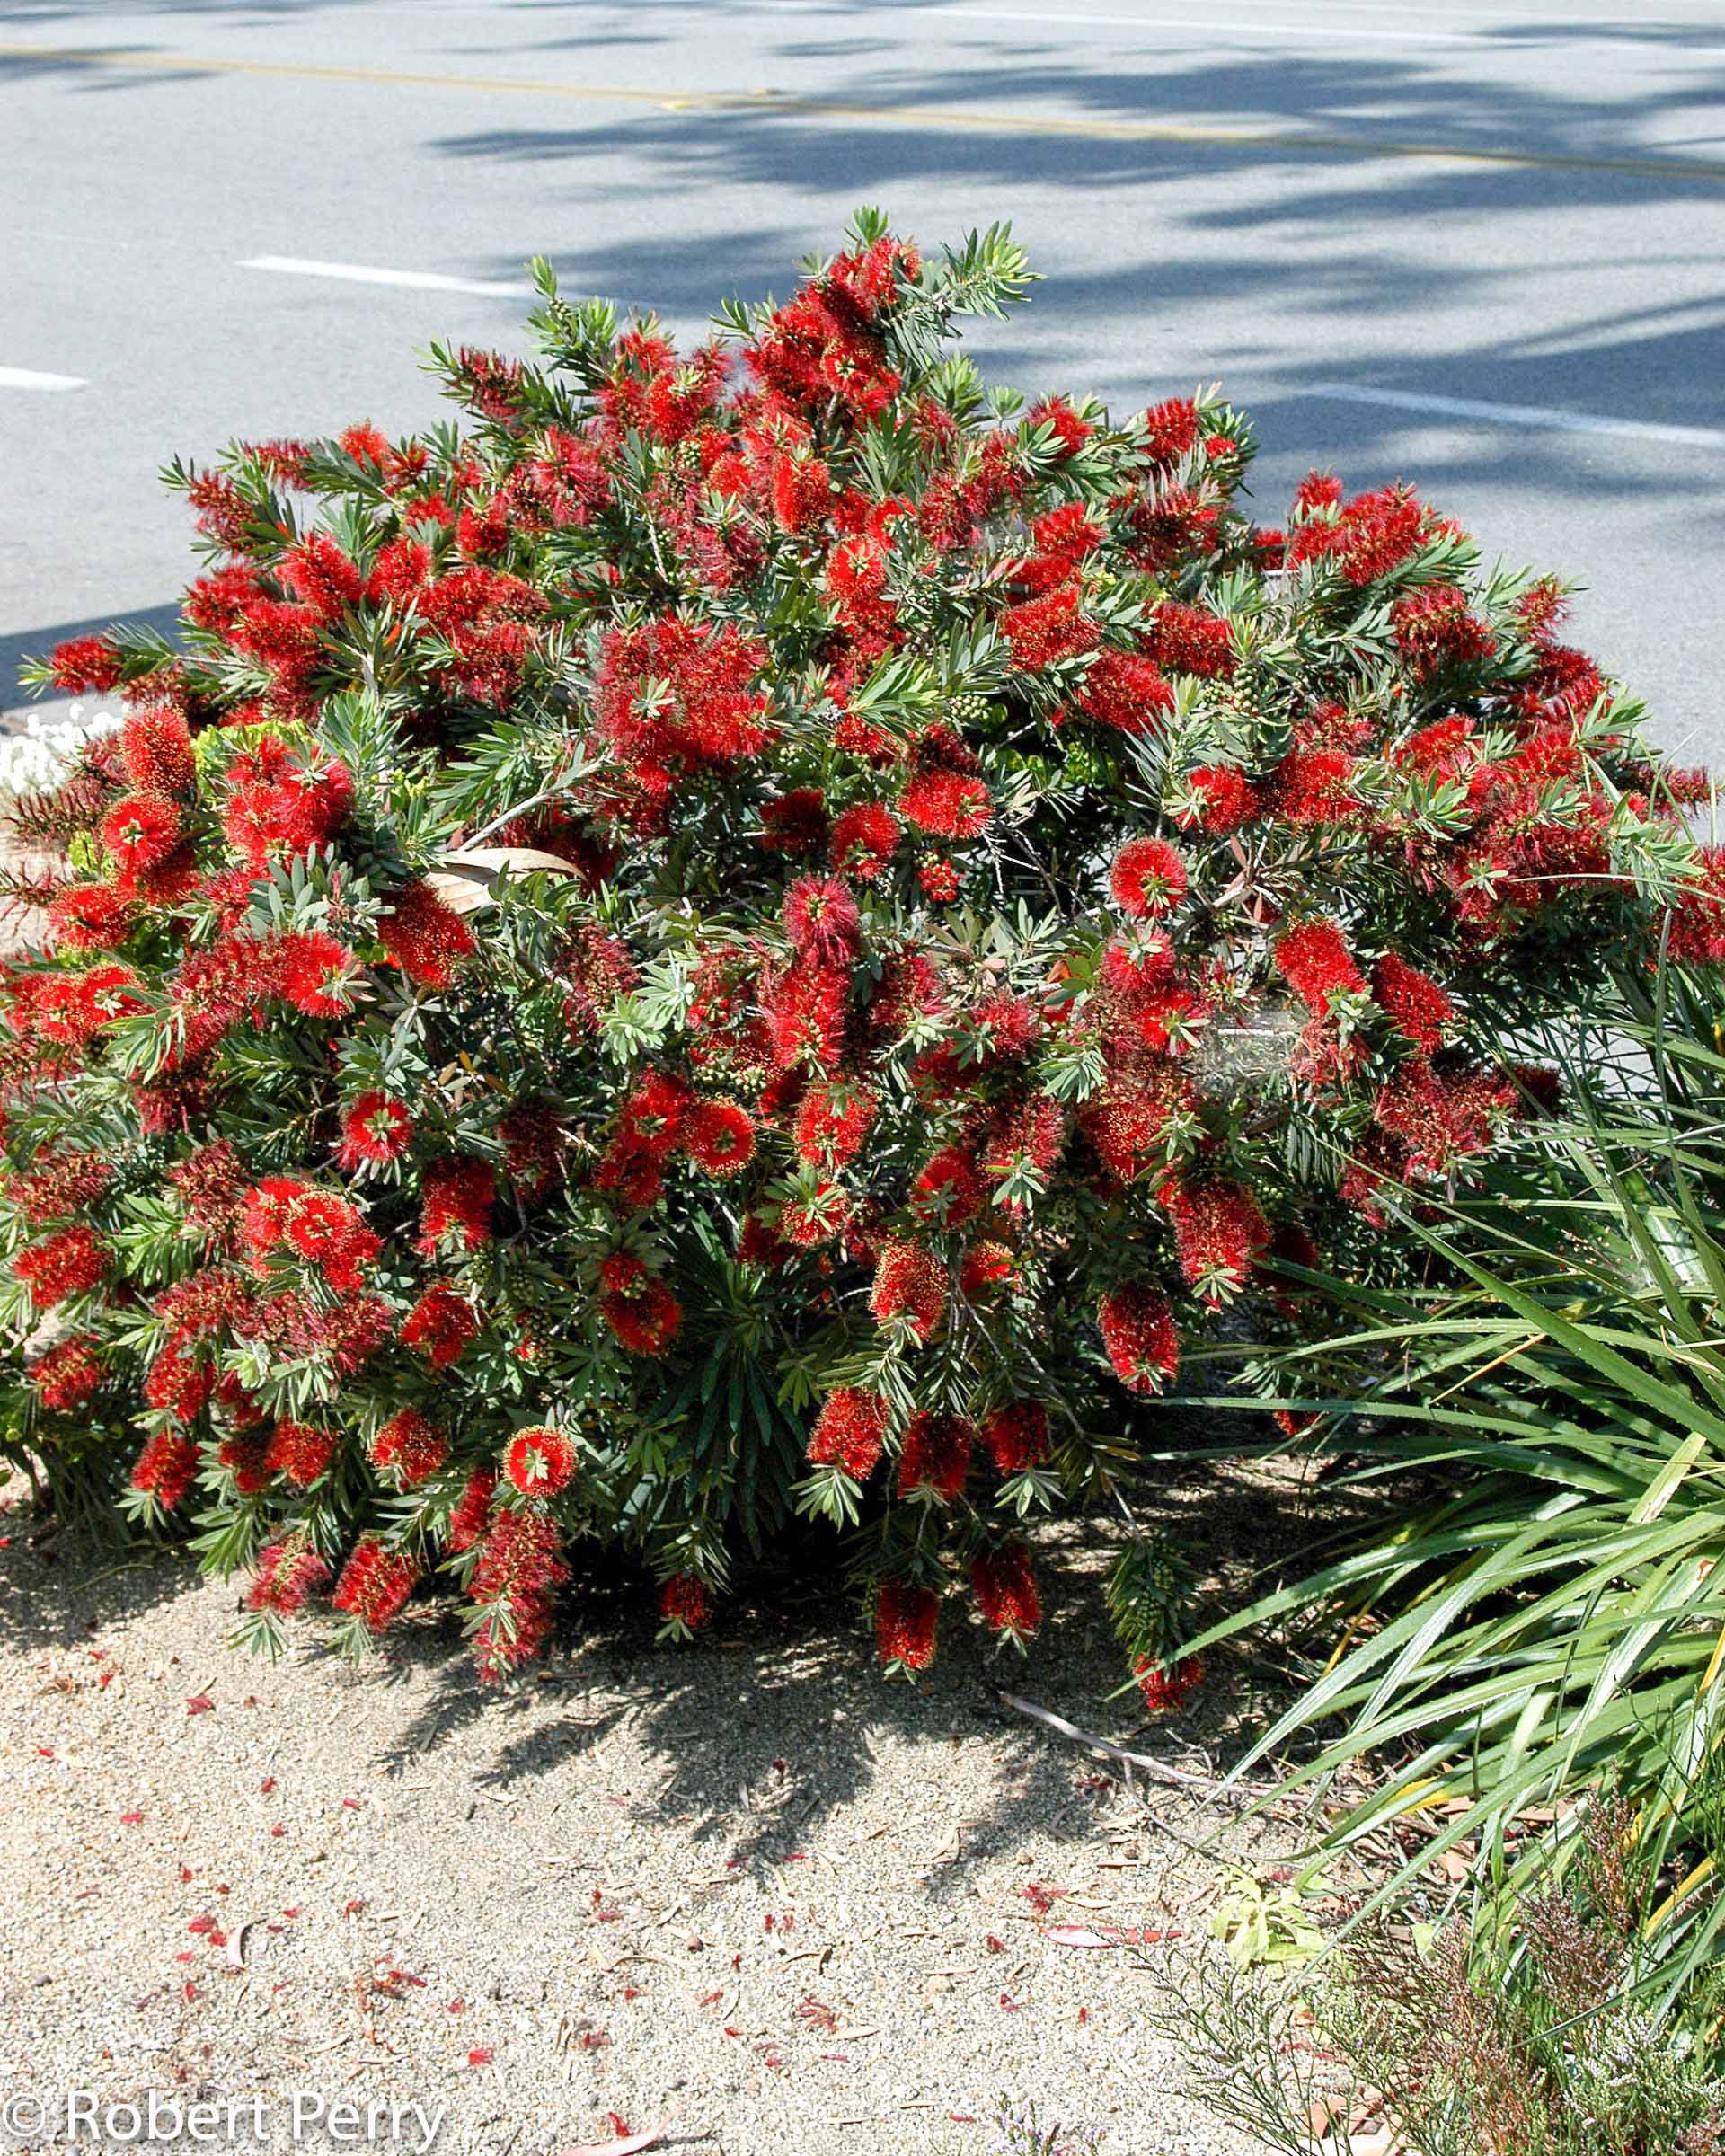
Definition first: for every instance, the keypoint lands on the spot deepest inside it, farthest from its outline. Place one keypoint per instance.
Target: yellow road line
(790, 106)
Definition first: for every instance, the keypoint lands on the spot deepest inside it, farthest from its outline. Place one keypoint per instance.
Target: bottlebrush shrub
(769, 930)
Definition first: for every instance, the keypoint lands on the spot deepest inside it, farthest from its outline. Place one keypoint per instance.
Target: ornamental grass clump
(764, 931)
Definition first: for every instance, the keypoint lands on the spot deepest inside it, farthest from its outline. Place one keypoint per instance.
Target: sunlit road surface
(1479, 245)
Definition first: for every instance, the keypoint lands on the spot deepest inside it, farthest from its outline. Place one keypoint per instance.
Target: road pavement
(1482, 246)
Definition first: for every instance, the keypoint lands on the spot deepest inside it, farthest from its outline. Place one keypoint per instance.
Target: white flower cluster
(41, 757)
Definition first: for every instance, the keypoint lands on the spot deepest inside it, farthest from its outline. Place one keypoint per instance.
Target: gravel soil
(749, 1889)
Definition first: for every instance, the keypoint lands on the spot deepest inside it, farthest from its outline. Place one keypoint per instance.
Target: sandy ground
(749, 1889)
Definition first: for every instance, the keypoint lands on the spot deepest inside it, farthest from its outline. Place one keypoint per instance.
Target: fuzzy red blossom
(457, 1195)
(947, 1190)
(864, 841)
(805, 1012)
(948, 804)
(642, 1313)
(1444, 1112)
(374, 1582)
(319, 573)
(375, 1129)
(1166, 1687)
(831, 1123)
(1219, 1229)
(1435, 629)
(1070, 431)
(287, 1576)
(314, 973)
(685, 1604)
(321, 1228)
(909, 1286)
(92, 916)
(1190, 640)
(1416, 1006)
(141, 832)
(410, 1446)
(935, 1455)
(66, 1265)
(905, 1619)
(441, 1326)
(86, 666)
(1016, 1437)
(156, 750)
(300, 1452)
(822, 921)
(1043, 631)
(1219, 799)
(1315, 960)
(540, 1461)
(1148, 877)
(674, 696)
(69, 1374)
(426, 938)
(1126, 690)
(850, 1432)
(1004, 1585)
(514, 1581)
(719, 1137)
(1139, 1335)
(1366, 538)
(61, 1187)
(471, 1513)
(1170, 430)
(166, 1468)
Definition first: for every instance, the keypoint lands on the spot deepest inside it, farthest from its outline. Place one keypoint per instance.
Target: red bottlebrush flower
(243, 1456)
(1138, 1333)
(457, 1195)
(1443, 1115)
(949, 1191)
(654, 1114)
(935, 1455)
(719, 1137)
(1069, 431)
(1016, 1437)
(515, 1579)
(366, 444)
(314, 974)
(86, 666)
(540, 1461)
(1435, 629)
(1166, 1687)
(427, 939)
(1219, 1233)
(984, 1267)
(1315, 786)
(805, 1012)
(299, 1450)
(1170, 430)
(850, 1432)
(401, 569)
(1315, 962)
(684, 1605)
(61, 1187)
(287, 1575)
(68, 1375)
(1041, 631)
(65, 1265)
(864, 841)
(317, 1226)
(1416, 1007)
(165, 1469)
(374, 1582)
(641, 1312)
(1190, 640)
(92, 916)
(1126, 690)
(411, 1445)
(441, 1326)
(796, 823)
(156, 750)
(1367, 537)
(1004, 1586)
(948, 804)
(905, 1618)
(319, 573)
(1220, 799)
(374, 1129)
(142, 831)
(1148, 877)
(910, 1285)
(471, 1512)
(821, 920)
(939, 880)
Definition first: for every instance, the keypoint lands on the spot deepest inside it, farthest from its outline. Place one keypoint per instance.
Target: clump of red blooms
(701, 945)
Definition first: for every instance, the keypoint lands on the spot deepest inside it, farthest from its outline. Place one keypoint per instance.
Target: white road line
(26, 377)
(359, 273)
(1542, 416)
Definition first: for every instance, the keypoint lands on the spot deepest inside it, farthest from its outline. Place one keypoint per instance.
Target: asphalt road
(1482, 246)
